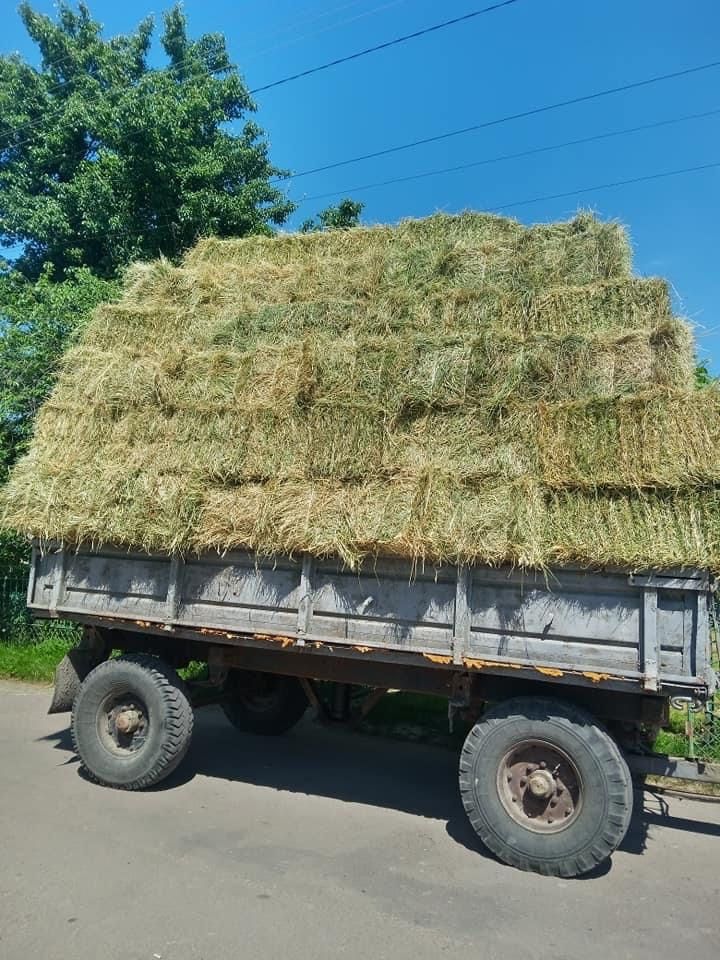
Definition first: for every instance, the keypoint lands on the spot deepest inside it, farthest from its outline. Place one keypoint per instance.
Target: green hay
(654, 440)
(452, 389)
(456, 273)
(652, 531)
(392, 374)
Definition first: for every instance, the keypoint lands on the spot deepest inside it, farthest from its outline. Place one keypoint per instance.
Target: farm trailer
(567, 674)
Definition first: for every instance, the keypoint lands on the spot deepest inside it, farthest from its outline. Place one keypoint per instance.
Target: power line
(330, 27)
(325, 66)
(506, 119)
(606, 186)
(68, 58)
(190, 57)
(513, 156)
(310, 17)
(384, 46)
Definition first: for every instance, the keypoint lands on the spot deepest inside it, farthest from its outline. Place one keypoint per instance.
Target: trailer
(565, 674)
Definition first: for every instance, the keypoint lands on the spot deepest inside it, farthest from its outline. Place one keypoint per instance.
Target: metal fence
(16, 624)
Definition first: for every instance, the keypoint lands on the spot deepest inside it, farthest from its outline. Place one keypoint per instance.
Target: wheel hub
(128, 721)
(541, 784)
(122, 724)
(539, 787)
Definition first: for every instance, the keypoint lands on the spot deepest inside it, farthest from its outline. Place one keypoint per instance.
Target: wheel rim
(540, 787)
(123, 724)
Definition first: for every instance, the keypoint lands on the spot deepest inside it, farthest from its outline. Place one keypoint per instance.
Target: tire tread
(616, 773)
(178, 720)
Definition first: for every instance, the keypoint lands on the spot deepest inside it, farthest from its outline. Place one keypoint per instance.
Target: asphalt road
(320, 844)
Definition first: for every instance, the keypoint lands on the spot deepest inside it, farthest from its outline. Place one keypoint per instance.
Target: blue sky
(526, 55)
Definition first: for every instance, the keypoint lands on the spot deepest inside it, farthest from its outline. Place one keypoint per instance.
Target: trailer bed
(650, 631)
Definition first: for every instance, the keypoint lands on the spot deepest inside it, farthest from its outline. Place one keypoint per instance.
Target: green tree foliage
(703, 377)
(104, 159)
(37, 318)
(344, 215)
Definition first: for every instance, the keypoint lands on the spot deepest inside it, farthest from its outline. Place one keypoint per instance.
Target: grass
(35, 661)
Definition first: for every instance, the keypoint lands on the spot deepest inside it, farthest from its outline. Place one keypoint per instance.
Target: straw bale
(450, 389)
(646, 440)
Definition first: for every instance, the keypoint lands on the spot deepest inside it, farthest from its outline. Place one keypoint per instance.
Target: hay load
(455, 388)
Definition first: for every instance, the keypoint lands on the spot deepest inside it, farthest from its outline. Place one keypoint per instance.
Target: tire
(263, 703)
(139, 690)
(571, 786)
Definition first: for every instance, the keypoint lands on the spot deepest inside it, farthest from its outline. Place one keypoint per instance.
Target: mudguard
(74, 667)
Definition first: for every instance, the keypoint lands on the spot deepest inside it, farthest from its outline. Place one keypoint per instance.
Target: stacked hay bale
(455, 388)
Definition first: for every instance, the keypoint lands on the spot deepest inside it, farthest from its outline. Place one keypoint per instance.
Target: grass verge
(34, 661)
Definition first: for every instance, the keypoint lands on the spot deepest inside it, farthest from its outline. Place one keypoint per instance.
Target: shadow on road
(343, 765)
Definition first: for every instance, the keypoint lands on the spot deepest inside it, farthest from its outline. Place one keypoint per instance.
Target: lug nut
(543, 765)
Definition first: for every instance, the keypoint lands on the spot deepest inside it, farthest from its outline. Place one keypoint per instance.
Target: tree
(341, 217)
(36, 321)
(703, 377)
(104, 159)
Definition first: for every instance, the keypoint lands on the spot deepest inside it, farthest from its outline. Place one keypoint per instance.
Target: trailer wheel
(545, 787)
(263, 703)
(131, 722)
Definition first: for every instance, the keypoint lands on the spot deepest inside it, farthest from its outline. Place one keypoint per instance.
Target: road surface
(320, 844)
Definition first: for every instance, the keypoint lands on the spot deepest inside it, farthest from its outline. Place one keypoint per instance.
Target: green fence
(17, 627)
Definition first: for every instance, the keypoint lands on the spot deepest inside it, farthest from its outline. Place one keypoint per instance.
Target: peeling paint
(444, 660)
(475, 664)
(596, 677)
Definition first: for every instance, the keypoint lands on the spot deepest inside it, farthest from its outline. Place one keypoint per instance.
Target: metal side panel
(102, 583)
(614, 623)
(384, 605)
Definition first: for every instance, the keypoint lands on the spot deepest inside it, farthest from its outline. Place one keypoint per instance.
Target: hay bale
(456, 388)
(655, 530)
(641, 441)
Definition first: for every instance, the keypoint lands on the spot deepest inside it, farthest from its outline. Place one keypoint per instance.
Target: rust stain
(441, 659)
(475, 664)
(208, 632)
(596, 677)
(550, 671)
(437, 658)
(275, 638)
